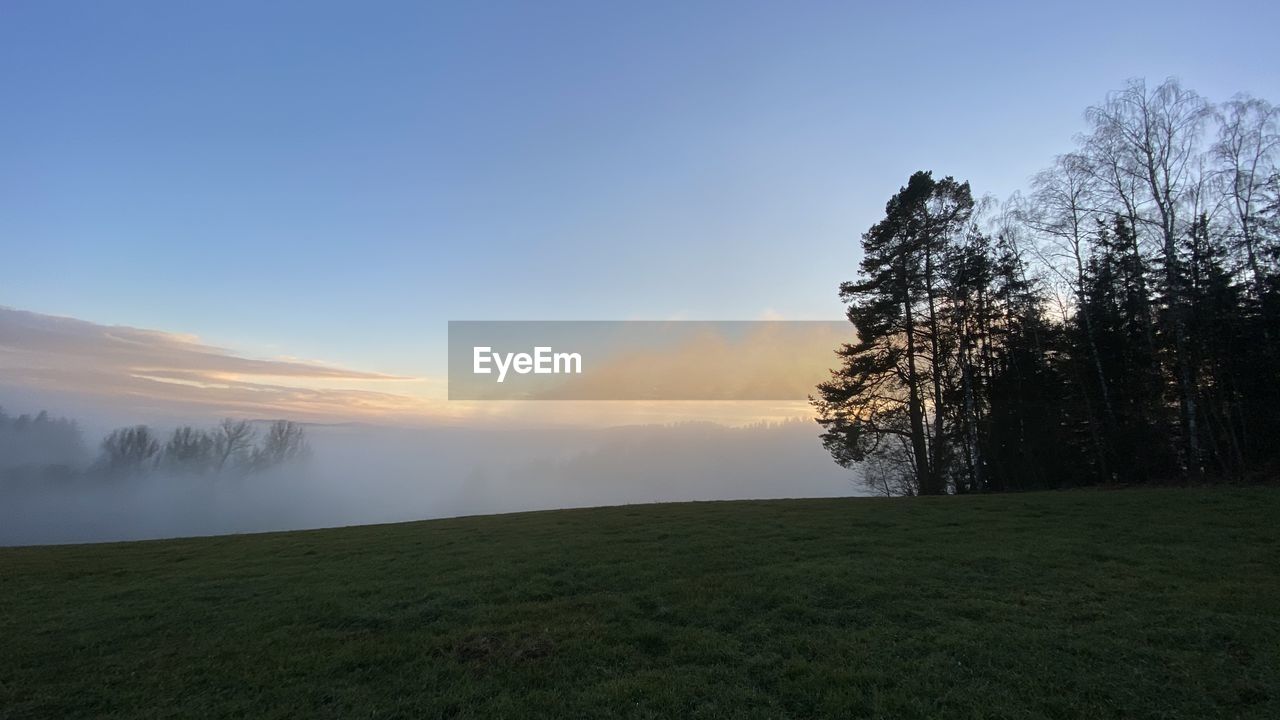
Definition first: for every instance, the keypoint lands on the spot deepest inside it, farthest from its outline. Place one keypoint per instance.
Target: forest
(1117, 323)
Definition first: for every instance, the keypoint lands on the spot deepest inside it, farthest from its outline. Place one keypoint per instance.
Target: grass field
(1134, 604)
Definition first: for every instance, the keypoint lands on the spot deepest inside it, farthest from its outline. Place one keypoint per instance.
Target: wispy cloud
(134, 375)
(151, 369)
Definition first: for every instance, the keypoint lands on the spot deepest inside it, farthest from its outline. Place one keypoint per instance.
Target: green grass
(1133, 604)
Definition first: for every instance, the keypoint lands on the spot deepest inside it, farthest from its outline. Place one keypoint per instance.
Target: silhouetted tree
(129, 451)
(189, 450)
(1160, 261)
(1150, 139)
(232, 442)
(285, 441)
(892, 379)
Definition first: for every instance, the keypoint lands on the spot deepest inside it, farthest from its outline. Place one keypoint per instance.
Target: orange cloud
(153, 369)
(139, 373)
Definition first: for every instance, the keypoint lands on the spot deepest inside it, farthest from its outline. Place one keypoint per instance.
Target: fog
(362, 474)
(473, 458)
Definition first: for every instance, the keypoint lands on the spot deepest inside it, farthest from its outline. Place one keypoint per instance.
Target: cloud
(154, 370)
(117, 375)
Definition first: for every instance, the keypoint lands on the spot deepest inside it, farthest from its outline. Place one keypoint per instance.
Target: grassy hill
(1135, 604)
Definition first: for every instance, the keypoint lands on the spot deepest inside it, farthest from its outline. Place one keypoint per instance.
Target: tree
(1115, 317)
(189, 450)
(1023, 436)
(1245, 155)
(285, 441)
(1220, 335)
(1145, 145)
(1061, 210)
(232, 439)
(1162, 259)
(129, 451)
(892, 379)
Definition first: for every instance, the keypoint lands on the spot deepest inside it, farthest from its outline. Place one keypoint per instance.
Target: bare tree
(189, 450)
(1147, 141)
(284, 442)
(231, 439)
(129, 450)
(1061, 210)
(1151, 140)
(1245, 157)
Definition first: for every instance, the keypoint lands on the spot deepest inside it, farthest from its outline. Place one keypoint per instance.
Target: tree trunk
(915, 409)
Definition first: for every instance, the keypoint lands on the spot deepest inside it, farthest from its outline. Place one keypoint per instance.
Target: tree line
(1118, 323)
(41, 447)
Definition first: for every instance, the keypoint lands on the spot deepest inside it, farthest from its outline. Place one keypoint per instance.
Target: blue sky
(337, 180)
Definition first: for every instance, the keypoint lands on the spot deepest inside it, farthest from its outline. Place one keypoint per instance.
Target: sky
(333, 182)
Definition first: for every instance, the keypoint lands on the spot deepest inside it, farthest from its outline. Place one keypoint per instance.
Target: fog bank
(364, 474)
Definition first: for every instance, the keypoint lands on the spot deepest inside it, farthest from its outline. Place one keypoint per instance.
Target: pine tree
(890, 385)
